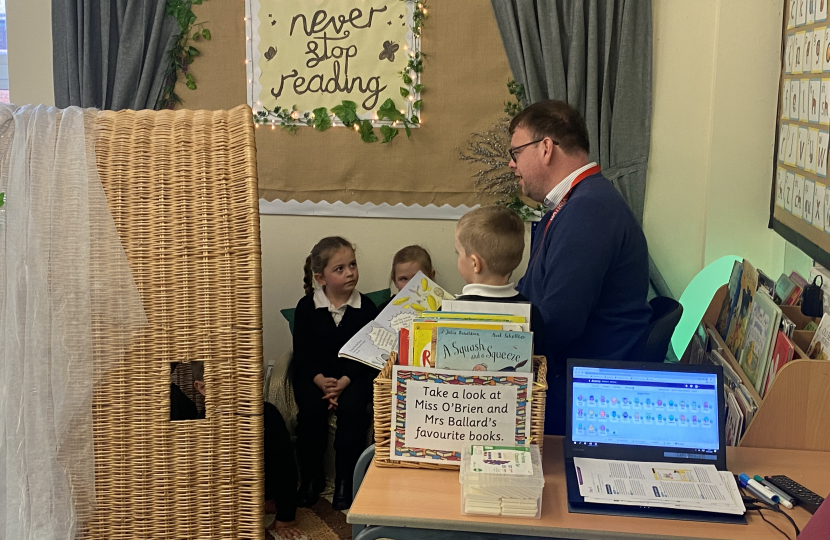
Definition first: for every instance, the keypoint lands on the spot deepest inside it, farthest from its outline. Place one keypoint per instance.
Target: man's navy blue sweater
(588, 274)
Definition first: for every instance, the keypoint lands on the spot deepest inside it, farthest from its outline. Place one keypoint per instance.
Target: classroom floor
(320, 522)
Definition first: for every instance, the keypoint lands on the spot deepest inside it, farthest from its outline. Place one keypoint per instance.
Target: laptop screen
(641, 407)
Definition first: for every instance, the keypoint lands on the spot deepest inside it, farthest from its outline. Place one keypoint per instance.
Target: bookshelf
(796, 411)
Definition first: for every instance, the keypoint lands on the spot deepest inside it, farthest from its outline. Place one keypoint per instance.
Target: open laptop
(644, 412)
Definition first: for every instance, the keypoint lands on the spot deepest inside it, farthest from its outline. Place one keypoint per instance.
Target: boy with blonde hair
(490, 242)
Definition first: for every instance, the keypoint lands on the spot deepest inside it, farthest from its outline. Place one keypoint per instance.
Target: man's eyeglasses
(514, 155)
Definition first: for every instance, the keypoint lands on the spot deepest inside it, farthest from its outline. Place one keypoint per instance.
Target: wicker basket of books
(383, 415)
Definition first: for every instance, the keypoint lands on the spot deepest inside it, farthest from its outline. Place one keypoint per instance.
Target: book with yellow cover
(470, 316)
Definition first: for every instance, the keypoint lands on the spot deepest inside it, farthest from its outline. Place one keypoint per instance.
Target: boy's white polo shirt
(490, 291)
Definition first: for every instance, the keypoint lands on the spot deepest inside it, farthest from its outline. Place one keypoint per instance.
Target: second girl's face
(404, 272)
(340, 275)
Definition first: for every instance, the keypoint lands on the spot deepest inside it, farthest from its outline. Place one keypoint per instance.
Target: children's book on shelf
(798, 279)
(766, 283)
(786, 290)
(699, 345)
(373, 343)
(471, 349)
(737, 325)
(731, 379)
(747, 404)
(787, 326)
(761, 330)
(781, 354)
(727, 308)
(734, 421)
(820, 345)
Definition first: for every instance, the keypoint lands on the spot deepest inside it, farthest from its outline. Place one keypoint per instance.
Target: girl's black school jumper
(317, 340)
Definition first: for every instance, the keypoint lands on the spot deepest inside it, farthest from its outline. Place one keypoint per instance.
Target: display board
(465, 86)
(307, 54)
(801, 189)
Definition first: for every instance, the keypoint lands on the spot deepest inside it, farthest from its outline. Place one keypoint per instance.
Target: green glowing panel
(697, 297)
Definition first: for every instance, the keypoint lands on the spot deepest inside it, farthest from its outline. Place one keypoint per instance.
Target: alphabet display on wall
(800, 192)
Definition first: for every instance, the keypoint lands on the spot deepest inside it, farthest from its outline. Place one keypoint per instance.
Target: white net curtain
(68, 306)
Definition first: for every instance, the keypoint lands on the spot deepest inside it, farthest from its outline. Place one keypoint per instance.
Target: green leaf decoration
(390, 111)
(388, 133)
(417, 105)
(321, 121)
(415, 119)
(418, 88)
(404, 92)
(407, 79)
(408, 131)
(2, 199)
(367, 134)
(346, 112)
(180, 55)
(190, 78)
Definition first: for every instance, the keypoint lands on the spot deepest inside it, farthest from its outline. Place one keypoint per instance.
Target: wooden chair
(182, 189)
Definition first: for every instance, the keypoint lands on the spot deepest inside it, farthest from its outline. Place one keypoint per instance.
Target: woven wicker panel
(182, 189)
(383, 415)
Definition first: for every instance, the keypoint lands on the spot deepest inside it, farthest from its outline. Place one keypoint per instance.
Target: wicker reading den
(182, 189)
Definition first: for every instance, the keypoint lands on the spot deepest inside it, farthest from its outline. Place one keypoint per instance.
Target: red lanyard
(580, 177)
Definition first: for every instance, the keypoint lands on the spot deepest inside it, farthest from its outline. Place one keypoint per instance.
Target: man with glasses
(588, 268)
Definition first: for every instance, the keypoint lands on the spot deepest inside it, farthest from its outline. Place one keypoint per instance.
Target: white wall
(29, 41)
(716, 70)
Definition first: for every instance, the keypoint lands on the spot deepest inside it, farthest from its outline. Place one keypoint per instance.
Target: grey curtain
(596, 56)
(110, 54)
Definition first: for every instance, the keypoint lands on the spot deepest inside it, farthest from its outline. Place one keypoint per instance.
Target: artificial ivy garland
(181, 55)
(321, 118)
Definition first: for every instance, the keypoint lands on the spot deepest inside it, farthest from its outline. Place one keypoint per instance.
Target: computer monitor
(645, 412)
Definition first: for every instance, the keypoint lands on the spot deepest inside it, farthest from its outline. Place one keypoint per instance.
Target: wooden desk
(426, 499)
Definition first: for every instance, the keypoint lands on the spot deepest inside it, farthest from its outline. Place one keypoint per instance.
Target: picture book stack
(469, 340)
(470, 336)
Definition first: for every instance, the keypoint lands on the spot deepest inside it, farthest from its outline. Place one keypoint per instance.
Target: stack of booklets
(373, 344)
(664, 485)
(502, 480)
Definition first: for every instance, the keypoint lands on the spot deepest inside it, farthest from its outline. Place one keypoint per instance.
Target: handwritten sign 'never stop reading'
(317, 53)
(437, 413)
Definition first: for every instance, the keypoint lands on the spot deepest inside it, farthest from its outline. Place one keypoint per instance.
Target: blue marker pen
(744, 481)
